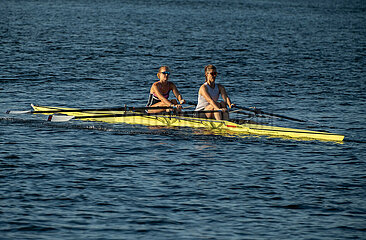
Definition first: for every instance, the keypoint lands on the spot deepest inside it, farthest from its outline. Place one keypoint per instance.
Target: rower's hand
(178, 107)
(182, 101)
(232, 105)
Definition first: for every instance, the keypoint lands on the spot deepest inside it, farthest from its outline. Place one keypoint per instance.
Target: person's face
(211, 75)
(163, 75)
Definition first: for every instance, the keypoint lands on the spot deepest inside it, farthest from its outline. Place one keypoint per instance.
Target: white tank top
(214, 94)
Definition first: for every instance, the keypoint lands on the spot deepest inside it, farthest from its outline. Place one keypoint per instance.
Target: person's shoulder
(203, 87)
(155, 84)
(171, 84)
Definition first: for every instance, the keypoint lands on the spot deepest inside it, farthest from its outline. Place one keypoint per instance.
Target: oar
(234, 111)
(240, 111)
(191, 103)
(257, 111)
(88, 110)
(65, 118)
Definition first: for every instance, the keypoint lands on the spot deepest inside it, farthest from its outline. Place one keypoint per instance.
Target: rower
(159, 93)
(208, 96)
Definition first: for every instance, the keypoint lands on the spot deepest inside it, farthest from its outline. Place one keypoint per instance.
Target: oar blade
(59, 118)
(18, 112)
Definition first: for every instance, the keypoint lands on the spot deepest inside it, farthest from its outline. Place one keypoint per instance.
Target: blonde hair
(163, 67)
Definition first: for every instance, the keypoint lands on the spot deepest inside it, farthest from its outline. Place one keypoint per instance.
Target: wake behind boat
(135, 115)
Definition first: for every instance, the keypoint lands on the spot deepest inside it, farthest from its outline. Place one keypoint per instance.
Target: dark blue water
(84, 180)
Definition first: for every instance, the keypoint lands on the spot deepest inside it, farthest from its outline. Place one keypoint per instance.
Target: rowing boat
(171, 120)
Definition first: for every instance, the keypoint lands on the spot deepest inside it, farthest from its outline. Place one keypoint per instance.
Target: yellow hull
(178, 121)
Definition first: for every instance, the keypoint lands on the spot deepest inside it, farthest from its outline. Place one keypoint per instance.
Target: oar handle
(147, 114)
(195, 104)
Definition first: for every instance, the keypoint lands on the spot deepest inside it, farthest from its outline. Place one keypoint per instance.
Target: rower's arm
(177, 94)
(224, 95)
(206, 95)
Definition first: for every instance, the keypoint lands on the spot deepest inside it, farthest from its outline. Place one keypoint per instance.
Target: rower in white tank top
(214, 94)
(208, 96)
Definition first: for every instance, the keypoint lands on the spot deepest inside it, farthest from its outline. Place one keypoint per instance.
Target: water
(83, 180)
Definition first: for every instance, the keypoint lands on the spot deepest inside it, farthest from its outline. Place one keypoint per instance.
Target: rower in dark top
(159, 93)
